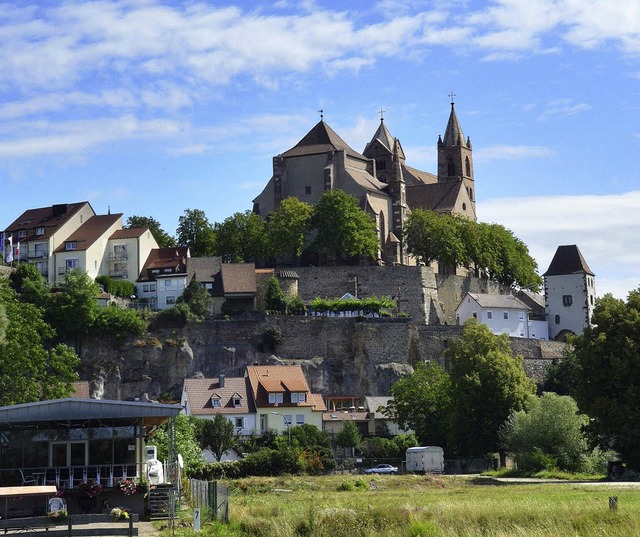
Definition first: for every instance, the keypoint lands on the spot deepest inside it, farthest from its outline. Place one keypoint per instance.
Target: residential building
(163, 277)
(37, 233)
(503, 314)
(379, 179)
(127, 252)
(343, 408)
(283, 398)
(570, 293)
(378, 421)
(237, 288)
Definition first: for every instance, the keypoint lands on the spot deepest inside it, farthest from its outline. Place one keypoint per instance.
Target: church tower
(455, 158)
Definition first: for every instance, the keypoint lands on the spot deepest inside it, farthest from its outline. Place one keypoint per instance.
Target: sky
(149, 107)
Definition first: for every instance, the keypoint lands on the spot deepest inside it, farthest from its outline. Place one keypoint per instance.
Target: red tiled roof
(264, 379)
(200, 391)
(129, 233)
(51, 218)
(90, 231)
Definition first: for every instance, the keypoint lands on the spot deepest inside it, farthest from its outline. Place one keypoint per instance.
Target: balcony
(118, 273)
(118, 256)
(39, 254)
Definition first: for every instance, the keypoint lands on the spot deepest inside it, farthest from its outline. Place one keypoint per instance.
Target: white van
(425, 459)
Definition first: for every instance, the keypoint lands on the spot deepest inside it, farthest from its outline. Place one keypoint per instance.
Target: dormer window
(22, 233)
(237, 401)
(215, 402)
(276, 398)
(298, 397)
(39, 231)
(71, 245)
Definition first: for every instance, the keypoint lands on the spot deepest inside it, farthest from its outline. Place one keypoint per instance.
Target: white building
(570, 293)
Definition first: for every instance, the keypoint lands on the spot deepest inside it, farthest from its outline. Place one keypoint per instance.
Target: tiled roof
(365, 180)
(200, 391)
(384, 136)
(238, 278)
(453, 132)
(437, 197)
(129, 233)
(203, 269)
(345, 416)
(280, 378)
(415, 177)
(91, 231)
(486, 300)
(51, 218)
(321, 139)
(373, 403)
(568, 260)
(317, 402)
(166, 257)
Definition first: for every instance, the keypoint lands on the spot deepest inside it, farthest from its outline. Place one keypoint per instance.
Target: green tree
(118, 323)
(288, 227)
(73, 310)
(120, 288)
(349, 436)
(218, 435)
(423, 402)
(163, 239)
(342, 227)
(276, 299)
(197, 298)
(608, 356)
(195, 231)
(547, 434)
(186, 443)
(430, 237)
(30, 284)
(488, 384)
(31, 367)
(561, 376)
(242, 238)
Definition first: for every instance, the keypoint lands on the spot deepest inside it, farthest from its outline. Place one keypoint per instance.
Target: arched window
(451, 169)
(467, 166)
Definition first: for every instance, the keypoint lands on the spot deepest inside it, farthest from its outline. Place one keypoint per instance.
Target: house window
(71, 264)
(167, 271)
(505, 315)
(381, 164)
(42, 249)
(22, 233)
(237, 401)
(171, 299)
(567, 300)
(299, 419)
(489, 315)
(288, 419)
(298, 397)
(120, 251)
(557, 319)
(155, 271)
(475, 314)
(71, 246)
(276, 398)
(239, 423)
(145, 288)
(39, 231)
(152, 287)
(307, 190)
(215, 402)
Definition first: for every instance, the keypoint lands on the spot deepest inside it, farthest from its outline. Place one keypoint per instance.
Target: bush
(180, 313)
(121, 288)
(119, 323)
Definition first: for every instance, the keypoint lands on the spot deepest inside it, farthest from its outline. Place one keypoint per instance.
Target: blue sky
(154, 107)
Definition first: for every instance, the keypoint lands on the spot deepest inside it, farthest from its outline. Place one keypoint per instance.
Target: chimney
(221, 380)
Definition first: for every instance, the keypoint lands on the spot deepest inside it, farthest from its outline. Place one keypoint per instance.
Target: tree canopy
(456, 240)
(288, 227)
(608, 369)
(218, 435)
(342, 227)
(32, 368)
(196, 232)
(163, 239)
(241, 238)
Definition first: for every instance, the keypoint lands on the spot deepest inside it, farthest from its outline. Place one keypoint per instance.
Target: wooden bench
(72, 526)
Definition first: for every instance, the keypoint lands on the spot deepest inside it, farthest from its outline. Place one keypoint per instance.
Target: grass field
(361, 506)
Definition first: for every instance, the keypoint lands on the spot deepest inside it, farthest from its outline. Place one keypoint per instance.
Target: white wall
(572, 314)
(516, 325)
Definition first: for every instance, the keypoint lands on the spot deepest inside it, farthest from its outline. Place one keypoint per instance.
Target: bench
(72, 526)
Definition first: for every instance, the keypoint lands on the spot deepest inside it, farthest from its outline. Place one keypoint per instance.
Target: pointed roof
(384, 136)
(89, 232)
(453, 133)
(321, 139)
(568, 260)
(437, 197)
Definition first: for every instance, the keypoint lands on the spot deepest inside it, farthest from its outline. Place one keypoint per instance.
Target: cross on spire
(321, 111)
(451, 96)
(381, 114)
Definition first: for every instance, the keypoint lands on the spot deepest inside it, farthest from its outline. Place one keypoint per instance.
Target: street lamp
(286, 422)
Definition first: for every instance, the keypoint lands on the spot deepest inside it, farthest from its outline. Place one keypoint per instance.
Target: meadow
(426, 506)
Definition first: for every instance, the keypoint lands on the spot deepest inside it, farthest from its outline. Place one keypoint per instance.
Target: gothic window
(451, 169)
(467, 166)
(381, 164)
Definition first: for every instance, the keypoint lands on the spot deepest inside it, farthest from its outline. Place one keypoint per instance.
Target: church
(379, 178)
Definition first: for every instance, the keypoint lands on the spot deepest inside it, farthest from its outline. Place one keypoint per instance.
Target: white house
(503, 314)
(570, 292)
(163, 277)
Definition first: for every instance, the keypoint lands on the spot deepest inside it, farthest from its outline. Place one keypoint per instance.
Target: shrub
(271, 338)
(346, 486)
(119, 323)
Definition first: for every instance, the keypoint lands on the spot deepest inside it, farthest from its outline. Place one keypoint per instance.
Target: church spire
(453, 134)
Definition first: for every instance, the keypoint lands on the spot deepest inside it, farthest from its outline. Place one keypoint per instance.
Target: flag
(2, 239)
(9, 257)
(18, 249)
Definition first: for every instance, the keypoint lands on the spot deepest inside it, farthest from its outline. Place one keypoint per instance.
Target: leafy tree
(218, 435)
(118, 323)
(163, 239)
(30, 369)
(73, 310)
(431, 237)
(423, 402)
(547, 434)
(4, 321)
(242, 238)
(288, 227)
(487, 383)
(276, 299)
(186, 443)
(349, 436)
(30, 284)
(195, 231)
(387, 448)
(342, 227)
(561, 376)
(608, 357)
(197, 298)
(120, 288)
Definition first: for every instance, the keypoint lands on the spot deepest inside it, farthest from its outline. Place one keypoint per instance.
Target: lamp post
(286, 422)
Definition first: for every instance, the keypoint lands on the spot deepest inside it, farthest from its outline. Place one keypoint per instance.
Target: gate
(212, 496)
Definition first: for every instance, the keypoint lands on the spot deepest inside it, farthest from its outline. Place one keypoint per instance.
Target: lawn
(363, 506)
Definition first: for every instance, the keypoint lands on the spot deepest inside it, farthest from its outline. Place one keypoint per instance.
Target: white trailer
(425, 459)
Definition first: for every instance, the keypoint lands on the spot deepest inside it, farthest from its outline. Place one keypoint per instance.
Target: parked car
(382, 469)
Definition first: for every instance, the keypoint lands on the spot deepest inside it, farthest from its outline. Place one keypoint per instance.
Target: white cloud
(511, 152)
(563, 108)
(600, 225)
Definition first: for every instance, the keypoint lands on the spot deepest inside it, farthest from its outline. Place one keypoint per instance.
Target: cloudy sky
(152, 107)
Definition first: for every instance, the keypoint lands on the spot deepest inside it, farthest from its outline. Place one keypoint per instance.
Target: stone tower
(455, 158)
(569, 293)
